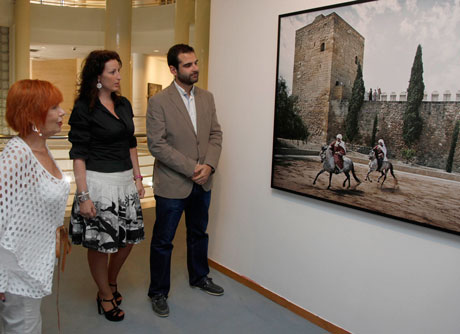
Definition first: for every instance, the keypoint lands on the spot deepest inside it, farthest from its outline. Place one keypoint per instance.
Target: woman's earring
(34, 129)
(98, 85)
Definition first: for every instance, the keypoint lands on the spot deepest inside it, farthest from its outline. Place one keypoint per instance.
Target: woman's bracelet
(83, 196)
(138, 177)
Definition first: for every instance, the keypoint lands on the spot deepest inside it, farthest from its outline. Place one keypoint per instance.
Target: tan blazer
(174, 144)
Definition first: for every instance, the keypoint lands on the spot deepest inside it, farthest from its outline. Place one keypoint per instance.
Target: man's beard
(187, 79)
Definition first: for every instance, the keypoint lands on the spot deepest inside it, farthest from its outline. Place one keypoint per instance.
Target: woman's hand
(87, 209)
(140, 188)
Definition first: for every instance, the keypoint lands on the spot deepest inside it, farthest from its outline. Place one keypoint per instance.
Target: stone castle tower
(327, 52)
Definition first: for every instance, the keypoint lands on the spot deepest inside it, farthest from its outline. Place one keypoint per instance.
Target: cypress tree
(413, 123)
(354, 107)
(453, 145)
(374, 131)
(288, 123)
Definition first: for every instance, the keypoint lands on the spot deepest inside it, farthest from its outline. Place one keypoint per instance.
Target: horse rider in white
(380, 153)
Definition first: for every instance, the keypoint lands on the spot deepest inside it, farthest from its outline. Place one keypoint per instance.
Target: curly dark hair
(93, 66)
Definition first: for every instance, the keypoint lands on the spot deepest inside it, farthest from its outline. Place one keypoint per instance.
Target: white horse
(327, 158)
(386, 166)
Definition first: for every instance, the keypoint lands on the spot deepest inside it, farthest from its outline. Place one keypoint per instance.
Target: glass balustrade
(100, 3)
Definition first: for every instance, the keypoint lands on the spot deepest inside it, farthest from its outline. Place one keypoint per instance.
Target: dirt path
(423, 199)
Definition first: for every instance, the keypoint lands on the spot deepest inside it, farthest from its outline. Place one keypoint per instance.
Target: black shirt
(101, 139)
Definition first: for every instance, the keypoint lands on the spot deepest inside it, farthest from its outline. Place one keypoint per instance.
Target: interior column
(21, 40)
(202, 19)
(118, 17)
(184, 15)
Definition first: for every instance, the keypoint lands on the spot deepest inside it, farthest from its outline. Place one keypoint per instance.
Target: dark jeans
(168, 214)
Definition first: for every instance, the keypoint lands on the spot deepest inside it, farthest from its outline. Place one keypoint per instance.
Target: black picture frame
(324, 58)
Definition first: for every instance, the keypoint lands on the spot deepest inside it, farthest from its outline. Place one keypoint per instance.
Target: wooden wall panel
(63, 74)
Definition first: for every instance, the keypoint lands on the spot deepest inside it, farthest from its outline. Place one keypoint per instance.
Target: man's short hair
(175, 51)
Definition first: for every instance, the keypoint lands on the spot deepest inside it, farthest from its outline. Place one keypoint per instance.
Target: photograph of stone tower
(327, 52)
(367, 108)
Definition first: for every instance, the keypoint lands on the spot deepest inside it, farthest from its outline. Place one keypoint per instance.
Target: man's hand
(201, 174)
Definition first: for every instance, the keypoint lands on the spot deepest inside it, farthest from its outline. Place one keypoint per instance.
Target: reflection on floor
(240, 310)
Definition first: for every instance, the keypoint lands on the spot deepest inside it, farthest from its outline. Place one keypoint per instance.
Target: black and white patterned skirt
(118, 221)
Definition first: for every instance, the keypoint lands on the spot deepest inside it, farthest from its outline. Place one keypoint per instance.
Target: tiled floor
(240, 310)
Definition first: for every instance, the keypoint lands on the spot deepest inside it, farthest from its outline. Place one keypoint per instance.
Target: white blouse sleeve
(32, 206)
(3, 279)
(14, 162)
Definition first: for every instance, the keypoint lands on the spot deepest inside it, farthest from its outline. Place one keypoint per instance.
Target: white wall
(147, 69)
(362, 272)
(67, 25)
(153, 30)
(152, 27)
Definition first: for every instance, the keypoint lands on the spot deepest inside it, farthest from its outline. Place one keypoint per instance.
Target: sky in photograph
(392, 30)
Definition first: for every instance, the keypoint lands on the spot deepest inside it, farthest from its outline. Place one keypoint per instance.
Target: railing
(138, 135)
(59, 147)
(100, 3)
(52, 137)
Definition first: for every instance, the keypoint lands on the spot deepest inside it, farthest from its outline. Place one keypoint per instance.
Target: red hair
(28, 102)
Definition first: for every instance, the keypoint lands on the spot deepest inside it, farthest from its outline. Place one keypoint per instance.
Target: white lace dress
(32, 206)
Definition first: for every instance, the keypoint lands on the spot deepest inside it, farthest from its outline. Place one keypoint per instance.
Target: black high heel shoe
(111, 315)
(116, 294)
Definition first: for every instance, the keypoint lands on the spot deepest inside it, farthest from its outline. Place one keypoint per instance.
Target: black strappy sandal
(111, 315)
(116, 294)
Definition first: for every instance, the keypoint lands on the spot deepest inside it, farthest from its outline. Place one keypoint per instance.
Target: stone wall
(347, 53)
(438, 123)
(312, 73)
(325, 61)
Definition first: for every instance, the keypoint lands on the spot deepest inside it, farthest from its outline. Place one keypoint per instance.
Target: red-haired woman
(106, 214)
(33, 196)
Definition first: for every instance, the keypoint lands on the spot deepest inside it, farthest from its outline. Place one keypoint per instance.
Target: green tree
(408, 154)
(413, 123)
(453, 145)
(374, 131)
(288, 123)
(354, 107)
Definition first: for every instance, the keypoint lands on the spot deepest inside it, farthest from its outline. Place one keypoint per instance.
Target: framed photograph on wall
(152, 89)
(367, 108)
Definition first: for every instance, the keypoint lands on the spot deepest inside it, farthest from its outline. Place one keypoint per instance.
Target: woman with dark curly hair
(106, 214)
